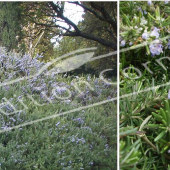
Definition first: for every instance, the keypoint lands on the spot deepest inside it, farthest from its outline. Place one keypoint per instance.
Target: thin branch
(105, 15)
(60, 15)
(88, 9)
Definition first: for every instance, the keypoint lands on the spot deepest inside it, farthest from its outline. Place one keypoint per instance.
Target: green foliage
(68, 44)
(143, 18)
(44, 47)
(130, 155)
(84, 139)
(95, 26)
(144, 107)
(162, 124)
(45, 146)
(144, 123)
(10, 25)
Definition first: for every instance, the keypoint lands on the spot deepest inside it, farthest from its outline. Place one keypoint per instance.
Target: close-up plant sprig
(144, 98)
(142, 109)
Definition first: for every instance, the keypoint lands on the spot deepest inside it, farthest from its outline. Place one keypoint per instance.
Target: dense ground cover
(82, 139)
(144, 85)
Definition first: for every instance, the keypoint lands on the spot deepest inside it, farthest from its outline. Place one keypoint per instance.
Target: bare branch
(60, 15)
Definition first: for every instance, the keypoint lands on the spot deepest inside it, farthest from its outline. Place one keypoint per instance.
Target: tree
(10, 26)
(44, 46)
(51, 14)
(36, 37)
(92, 25)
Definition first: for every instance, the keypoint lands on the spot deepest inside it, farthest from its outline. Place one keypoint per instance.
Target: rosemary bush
(83, 139)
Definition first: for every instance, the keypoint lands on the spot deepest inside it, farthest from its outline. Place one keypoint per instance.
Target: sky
(72, 12)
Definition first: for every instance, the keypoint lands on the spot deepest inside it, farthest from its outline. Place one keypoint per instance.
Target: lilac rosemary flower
(57, 124)
(156, 49)
(79, 120)
(39, 56)
(123, 43)
(145, 35)
(145, 12)
(149, 2)
(169, 94)
(168, 44)
(140, 9)
(155, 32)
(131, 43)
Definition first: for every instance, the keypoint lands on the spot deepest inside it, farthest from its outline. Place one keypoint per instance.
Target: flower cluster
(146, 26)
(156, 49)
(43, 89)
(79, 120)
(77, 140)
(50, 88)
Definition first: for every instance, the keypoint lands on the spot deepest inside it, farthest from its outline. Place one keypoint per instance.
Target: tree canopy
(10, 25)
(29, 27)
(49, 15)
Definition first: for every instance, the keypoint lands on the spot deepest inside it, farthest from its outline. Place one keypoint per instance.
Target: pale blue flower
(155, 32)
(139, 9)
(149, 2)
(131, 43)
(79, 120)
(39, 56)
(57, 124)
(123, 43)
(145, 35)
(166, 2)
(169, 94)
(88, 78)
(145, 12)
(168, 44)
(155, 49)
